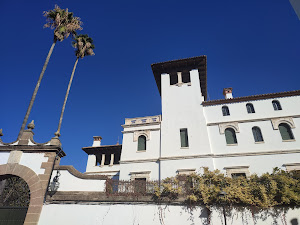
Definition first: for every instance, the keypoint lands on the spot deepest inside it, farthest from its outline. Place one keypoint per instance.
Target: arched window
(225, 111)
(286, 132)
(230, 136)
(141, 143)
(257, 134)
(250, 108)
(276, 105)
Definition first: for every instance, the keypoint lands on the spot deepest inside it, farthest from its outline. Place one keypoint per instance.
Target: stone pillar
(112, 159)
(103, 160)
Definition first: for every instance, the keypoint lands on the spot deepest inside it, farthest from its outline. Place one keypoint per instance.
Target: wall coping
(80, 175)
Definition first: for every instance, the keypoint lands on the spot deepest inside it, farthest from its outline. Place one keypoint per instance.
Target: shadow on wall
(294, 222)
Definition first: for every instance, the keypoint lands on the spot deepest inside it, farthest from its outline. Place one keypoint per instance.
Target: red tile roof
(252, 98)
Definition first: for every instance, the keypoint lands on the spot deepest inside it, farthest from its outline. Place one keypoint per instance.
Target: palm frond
(83, 45)
(63, 22)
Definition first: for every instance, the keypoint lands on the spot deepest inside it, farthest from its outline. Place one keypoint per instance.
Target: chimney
(227, 92)
(97, 141)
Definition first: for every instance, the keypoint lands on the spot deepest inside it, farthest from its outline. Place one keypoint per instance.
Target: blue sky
(252, 46)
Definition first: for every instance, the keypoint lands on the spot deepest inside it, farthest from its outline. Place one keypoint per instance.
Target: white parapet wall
(154, 214)
(4, 157)
(72, 180)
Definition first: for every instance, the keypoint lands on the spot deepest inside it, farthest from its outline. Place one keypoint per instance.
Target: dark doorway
(140, 185)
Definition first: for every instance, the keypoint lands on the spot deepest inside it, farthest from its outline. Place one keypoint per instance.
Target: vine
(279, 188)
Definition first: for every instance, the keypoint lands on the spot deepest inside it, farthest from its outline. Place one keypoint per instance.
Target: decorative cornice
(277, 121)
(133, 131)
(236, 167)
(250, 120)
(240, 154)
(233, 125)
(252, 98)
(138, 161)
(140, 172)
(145, 133)
(291, 164)
(33, 149)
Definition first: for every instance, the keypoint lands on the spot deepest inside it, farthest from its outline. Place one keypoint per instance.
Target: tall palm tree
(64, 23)
(84, 46)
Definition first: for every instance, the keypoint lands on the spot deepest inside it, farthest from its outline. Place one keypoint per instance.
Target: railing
(141, 187)
(133, 187)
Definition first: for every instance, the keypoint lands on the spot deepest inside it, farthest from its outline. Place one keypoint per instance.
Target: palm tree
(84, 46)
(64, 23)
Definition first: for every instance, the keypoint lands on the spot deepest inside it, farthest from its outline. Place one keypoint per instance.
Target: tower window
(107, 159)
(186, 77)
(184, 138)
(173, 78)
(225, 111)
(250, 108)
(141, 143)
(230, 136)
(276, 105)
(286, 132)
(257, 134)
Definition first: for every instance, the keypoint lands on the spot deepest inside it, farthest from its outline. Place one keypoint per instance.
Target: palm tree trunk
(66, 98)
(36, 89)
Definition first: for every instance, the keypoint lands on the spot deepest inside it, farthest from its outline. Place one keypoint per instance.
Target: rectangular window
(237, 175)
(98, 160)
(173, 78)
(107, 159)
(186, 77)
(184, 138)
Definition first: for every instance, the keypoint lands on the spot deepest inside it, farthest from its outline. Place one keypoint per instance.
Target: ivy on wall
(279, 188)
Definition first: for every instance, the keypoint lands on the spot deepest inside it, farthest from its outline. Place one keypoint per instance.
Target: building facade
(238, 136)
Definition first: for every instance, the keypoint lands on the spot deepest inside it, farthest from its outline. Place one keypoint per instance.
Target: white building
(239, 136)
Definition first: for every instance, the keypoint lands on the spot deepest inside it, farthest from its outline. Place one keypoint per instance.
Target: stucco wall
(257, 164)
(34, 161)
(245, 139)
(128, 168)
(181, 108)
(69, 182)
(169, 167)
(142, 214)
(129, 147)
(263, 109)
(4, 157)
